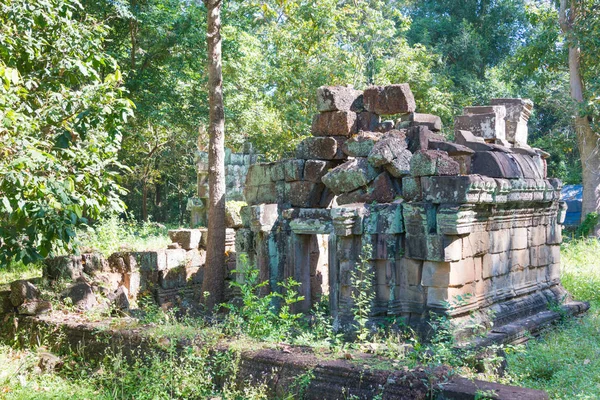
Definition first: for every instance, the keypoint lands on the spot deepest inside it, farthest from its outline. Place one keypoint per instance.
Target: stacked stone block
(474, 223)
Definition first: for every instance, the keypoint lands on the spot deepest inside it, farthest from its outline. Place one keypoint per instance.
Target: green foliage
(361, 280)
(580, 274)
(112, 234)
(590, 221)
(61, 111)
(261, 315)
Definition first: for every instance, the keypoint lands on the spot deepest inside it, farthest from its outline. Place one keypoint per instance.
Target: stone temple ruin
(473, 222)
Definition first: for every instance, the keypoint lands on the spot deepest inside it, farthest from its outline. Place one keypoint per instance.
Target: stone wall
(474, 222)
(236, 169)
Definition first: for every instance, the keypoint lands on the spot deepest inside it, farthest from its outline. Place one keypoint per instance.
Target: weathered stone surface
(361, 145)
(483, 121)
(517, 115)
(23, 291)
(495, 164)
(388, 100)
(445, 274)
(175, 258)
(419, 137)
(368, 121)
(315, 169)
(400, 166)
(263, 217)
(63, 267)
(321, 148)
(432, 122)
(34, 307)
(385, 126)
(337, 98)
(186, 238)
(458, 189)
(6, 305)
(411, 188)
(260, 174)
(119, 300)
(389, 147)
(348, 220)
(81, 296)
(349, 176)
(381, 190)
(233, 217)
(463, 137)
(334, 123)
(293, 170)
(433, 162)
(305, 194)
(452, 149)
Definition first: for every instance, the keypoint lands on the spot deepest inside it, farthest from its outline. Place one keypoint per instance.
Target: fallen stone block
(22, 291)
(419, 136)
(81, 296)
(432, 122)
(349, 176)
(381, 190)
(433, 162)
(334, 123)
(321, 148)
(452, 149)
(388, 100)
(315, 169)
(34, 307)
(385, 126)
(387, 148)
(186, 238)
(400, 166)
(484, 121)
(361, 145)
(233, 217)
(411, 188)
(367, 121)
(338, 98)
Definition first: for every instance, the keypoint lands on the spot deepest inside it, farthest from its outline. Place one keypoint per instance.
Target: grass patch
(566, 362)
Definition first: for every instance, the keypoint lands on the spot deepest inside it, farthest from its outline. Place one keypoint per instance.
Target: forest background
(119, 90)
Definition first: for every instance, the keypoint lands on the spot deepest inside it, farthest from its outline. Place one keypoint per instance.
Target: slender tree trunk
(214, 273)
(588, 141)
(144, 201)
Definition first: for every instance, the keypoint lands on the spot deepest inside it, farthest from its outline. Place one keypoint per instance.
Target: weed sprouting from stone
(363, 294)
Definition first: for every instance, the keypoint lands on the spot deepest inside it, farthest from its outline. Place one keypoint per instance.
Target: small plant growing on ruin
(363, 294)
(267, 316)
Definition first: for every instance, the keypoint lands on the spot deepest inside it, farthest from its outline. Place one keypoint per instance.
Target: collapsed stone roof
(354, 156)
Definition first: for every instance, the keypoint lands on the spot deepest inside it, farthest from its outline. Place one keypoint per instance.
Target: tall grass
(566, 362)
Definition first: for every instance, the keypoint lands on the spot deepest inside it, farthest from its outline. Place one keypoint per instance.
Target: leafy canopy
(61, 113)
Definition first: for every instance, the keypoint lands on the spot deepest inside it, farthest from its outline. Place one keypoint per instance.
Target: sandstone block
(445, 274)
(293, 170)
(334, 123)
(536, 235)
(500, 241)
(186, 238)
(361, 145)
(519, 238)
(34, 307)
(349, 176)
(500, 264)
(81, 296)
(338, 98)
(519, 259)
(22, 291)
(419, 136)
(452, 149)
(495, 164)
(315, 169)
(381, 190)
(433, 162)
(305, 194)
(233, 216)
(409, 271)
(411, 188)
(432, 122)
(175, 258)
(438, 297)
(368, 121)
(388, 100)
(517, 115)
(320, 148)
(553, 234)
(385, 126)
(483, 121)
(389, 147)
(400, 166)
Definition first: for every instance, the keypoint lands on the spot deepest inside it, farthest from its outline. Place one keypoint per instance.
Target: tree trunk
(587, 140)
(144, 202)
(214, 272)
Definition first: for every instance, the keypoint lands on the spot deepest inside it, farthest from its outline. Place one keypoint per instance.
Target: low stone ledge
(281, 371)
